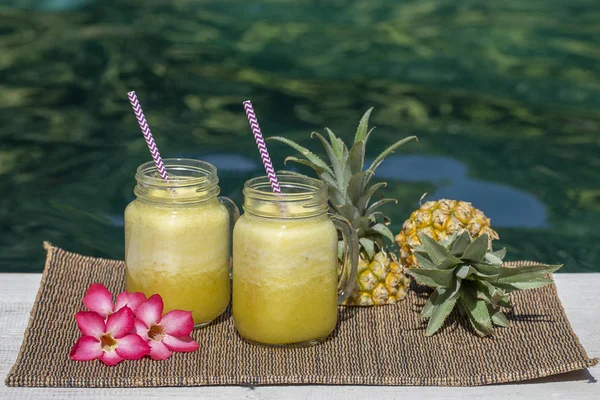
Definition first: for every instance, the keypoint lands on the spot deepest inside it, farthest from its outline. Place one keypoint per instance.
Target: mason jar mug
(286, 285)
(177, 238)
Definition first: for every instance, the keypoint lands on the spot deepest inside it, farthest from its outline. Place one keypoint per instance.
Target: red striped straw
(262, 147)
(139, 114)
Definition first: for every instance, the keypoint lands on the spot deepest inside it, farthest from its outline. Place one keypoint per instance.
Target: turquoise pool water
(504, 97)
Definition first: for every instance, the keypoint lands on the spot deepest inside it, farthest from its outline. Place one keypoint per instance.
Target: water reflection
(506, 206)
(52, 5)
(232, 162)
(507, 92)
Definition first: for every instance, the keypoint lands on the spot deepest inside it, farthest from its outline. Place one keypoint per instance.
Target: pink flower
(111, 332)
(108, 341)
(98, 299)
(164, 333)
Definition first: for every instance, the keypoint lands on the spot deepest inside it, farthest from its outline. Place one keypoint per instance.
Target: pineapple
(440, 220)
(380, 278)
(467, 275)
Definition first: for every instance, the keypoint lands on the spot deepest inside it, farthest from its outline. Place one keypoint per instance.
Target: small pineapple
(380, 278)
(440, 220)
(467, 275)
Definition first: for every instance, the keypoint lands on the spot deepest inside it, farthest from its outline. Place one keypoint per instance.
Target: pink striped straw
(139, 114)
(262, 147)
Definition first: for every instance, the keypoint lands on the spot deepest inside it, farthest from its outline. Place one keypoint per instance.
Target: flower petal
(141, 329)
(86, 348)
(90, 324)
(111, 358)
(150, 311)
(177, 323)
(159, 351)
(120, 323)
(180, 344)
(132, 347)
(131, 300)
(98, 299)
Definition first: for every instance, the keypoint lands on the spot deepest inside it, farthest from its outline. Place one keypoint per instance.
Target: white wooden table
(578, 292)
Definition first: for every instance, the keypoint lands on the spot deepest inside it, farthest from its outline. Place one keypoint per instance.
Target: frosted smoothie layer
(284, 279)
(180, 251)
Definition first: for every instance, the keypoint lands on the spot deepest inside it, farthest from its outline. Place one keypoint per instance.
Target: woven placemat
(371, 346)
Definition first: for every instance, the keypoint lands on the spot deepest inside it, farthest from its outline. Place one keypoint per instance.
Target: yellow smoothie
(180, 251)
(284, 279)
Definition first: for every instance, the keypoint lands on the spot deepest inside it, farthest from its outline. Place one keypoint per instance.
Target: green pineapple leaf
(499, 319)
(334, 161)
(487, 270)
(491, 259)
(424, 261)
(442, 307)
(525, 273)
(478, 314)
(356, 186)
(500, 253)
(460, 244)
(384, 230)
(369, 246)
(428, 307)
(369, 135)
(329, 180)
(436, 252)
(493, 293)
(357, 157)
(363, 200)
(362, 223)
(432, 277)
(475, 252)
(449, 262)
(379, 159)
(361, 131)
(377, 216)
(346, 171)
(468, 275)
(506, 303)
(336, 144)
(293, 173)
(485, 277)
(532, 284)
(340, 250)
(465, 271)
(348, 211)
(303, 161)
(313, 158)
(378, 204)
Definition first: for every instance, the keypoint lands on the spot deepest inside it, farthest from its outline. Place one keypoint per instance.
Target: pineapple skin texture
(379, 281)
(438, 220)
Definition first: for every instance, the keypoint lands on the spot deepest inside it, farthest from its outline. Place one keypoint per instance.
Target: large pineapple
(380, 279)
(440, 220)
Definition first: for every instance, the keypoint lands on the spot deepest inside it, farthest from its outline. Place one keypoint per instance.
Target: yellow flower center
(107, 342)
(156, 333)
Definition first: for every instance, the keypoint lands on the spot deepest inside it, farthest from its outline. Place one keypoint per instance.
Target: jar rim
(147, 173)
(300, 197)
(260, 188)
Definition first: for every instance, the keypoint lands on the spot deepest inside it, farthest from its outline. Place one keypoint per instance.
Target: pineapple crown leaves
(466, 274)
(350, 192)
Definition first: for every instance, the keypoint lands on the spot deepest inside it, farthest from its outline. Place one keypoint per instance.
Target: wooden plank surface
(578, 292)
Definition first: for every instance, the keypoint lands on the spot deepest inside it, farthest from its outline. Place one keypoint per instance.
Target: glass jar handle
(347, 273)
(234, 211)
(234, 214)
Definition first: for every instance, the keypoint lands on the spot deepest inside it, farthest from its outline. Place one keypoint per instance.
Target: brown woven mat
(371, 346)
